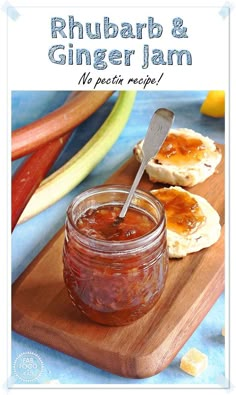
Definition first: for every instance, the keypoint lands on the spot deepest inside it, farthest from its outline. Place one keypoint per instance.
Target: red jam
(100, 223)
(114, 274)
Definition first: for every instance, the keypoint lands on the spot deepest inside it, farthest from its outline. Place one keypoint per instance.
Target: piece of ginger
(194, 362)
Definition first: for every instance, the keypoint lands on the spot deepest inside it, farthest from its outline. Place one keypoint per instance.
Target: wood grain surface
(42, 311)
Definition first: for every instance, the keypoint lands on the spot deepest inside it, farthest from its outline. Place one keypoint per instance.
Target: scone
(192, 223)
(186, 158)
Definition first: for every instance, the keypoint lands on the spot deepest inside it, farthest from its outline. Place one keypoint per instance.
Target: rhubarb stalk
(31, 137)
(80, 165)
(33, 170)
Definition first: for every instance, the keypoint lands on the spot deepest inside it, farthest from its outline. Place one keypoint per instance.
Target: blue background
(29, 238)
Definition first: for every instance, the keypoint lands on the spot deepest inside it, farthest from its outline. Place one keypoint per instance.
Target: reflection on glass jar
(115, 273)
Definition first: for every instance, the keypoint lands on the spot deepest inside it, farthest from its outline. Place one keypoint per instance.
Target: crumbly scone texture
(205, 235)
(186, 175)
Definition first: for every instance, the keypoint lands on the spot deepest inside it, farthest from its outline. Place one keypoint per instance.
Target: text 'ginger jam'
(115, 273)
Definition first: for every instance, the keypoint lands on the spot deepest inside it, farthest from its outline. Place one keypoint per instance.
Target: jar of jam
(115, 271)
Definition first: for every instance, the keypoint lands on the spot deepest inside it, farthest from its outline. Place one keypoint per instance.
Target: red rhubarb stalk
(29, 175)
(31, 137)
(33, 170)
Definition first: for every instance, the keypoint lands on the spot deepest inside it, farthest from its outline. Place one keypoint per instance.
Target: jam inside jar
(115, 280)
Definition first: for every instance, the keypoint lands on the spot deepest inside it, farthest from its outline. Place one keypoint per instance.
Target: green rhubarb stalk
(80, 165)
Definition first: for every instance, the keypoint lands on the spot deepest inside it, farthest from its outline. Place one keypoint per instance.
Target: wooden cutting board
(42, 311)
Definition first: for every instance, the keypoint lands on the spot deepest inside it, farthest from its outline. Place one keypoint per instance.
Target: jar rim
(118, 244)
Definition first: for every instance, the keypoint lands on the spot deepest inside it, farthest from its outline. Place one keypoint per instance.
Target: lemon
(214, 104)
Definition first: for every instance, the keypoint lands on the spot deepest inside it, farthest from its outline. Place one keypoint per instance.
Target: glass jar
(115, 282)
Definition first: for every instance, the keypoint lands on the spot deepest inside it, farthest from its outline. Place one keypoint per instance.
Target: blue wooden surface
(29, 238)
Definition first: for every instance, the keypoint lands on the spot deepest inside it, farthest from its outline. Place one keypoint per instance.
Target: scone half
(192, 223)
(185, 159)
